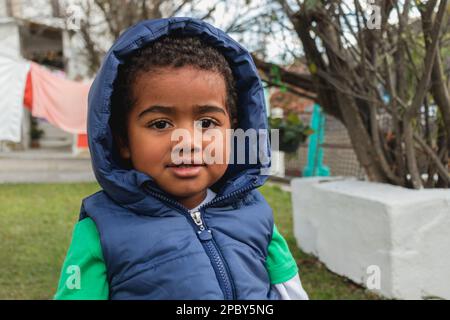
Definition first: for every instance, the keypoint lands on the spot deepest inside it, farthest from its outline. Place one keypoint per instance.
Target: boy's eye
(206, 123)
(160, 124)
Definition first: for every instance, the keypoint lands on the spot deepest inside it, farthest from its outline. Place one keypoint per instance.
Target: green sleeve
(83, 274)
(280, 263)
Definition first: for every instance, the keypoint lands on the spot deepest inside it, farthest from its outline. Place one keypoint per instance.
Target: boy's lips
(185, 170)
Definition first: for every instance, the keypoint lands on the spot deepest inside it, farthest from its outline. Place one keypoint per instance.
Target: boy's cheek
(148, 163)
(149, 155)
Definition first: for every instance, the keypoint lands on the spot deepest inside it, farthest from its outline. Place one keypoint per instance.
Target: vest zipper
(205, 236)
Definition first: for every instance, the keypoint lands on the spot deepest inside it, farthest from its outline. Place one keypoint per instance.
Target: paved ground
(44, 165)
(52, 165)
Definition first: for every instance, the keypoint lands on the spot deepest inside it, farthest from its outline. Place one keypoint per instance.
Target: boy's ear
(234, 123)
(124, 150)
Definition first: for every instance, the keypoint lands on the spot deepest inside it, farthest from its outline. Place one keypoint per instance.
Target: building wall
(3, 8)
(21, 39)
(9, 35)
(25, 8)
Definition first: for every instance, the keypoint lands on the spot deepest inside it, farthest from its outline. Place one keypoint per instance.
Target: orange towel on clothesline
(28, 95)
(61, 102)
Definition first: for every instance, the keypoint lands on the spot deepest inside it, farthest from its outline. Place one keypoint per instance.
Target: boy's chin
(183, 190)
(182, 194)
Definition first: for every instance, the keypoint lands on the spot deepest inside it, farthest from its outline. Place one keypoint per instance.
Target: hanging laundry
(82, 141)
(28, 95)
(13, 75)
(61, 102)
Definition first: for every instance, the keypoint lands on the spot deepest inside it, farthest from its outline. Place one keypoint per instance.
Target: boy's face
(169, 100)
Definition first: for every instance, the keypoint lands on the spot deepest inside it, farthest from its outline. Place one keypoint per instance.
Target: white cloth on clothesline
(13, 76)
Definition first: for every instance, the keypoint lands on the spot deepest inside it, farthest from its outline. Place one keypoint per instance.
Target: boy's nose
(185, 148)
(189, 145)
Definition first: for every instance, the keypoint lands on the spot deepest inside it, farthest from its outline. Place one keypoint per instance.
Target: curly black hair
(169, 51)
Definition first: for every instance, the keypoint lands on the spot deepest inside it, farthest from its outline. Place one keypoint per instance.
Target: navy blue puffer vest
(153, 248)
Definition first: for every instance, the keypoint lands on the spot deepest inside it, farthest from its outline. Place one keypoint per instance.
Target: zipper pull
(196, 216)
(202, 234)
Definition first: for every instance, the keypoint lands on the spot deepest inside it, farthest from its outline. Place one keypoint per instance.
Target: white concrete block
(351, 225)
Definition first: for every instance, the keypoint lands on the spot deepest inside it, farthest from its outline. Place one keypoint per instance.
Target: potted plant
(292, 131)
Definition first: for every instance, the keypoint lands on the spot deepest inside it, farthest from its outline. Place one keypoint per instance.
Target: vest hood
(127, 187)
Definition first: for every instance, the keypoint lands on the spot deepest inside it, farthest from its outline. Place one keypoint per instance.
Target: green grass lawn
(36, 222)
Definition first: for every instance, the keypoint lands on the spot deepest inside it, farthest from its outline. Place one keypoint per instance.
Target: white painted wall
(9, 38)
(3, 8)
(350, 225)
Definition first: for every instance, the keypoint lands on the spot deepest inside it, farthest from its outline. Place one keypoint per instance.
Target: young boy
(161, 229)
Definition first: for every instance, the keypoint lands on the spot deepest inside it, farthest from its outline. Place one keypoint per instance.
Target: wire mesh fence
(338, 154)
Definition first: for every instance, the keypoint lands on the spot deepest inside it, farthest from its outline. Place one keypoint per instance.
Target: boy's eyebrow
(157, 109)
(200, 109)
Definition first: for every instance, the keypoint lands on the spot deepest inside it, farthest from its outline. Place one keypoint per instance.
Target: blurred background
(358, 89)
